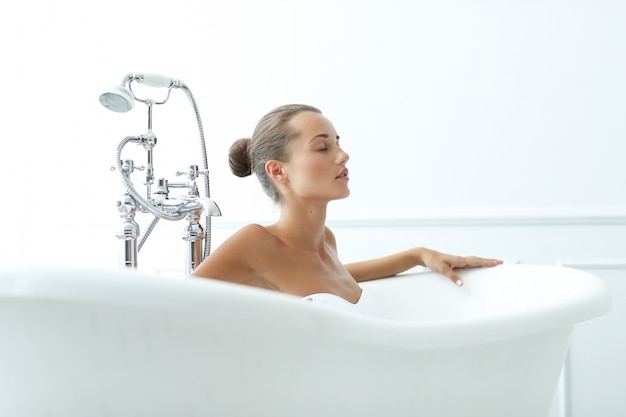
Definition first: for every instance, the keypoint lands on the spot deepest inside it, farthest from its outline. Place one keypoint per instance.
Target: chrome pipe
(127, 207)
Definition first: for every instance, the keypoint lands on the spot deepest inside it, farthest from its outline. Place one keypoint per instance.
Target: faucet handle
(128, 166)
(192, 172)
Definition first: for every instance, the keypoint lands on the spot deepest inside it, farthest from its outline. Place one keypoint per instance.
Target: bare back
(259, 256)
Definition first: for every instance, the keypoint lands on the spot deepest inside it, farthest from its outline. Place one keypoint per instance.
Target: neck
(303, 224)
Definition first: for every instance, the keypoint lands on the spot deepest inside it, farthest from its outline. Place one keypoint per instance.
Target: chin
(344, 195)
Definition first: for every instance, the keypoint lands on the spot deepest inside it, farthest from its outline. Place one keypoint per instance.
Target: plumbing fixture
(119, 99)
(158, 202)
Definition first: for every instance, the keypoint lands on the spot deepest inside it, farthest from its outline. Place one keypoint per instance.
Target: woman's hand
(399, 262)
(446, 264)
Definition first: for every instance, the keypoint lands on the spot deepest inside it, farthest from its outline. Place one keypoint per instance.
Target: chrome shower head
(119, 99)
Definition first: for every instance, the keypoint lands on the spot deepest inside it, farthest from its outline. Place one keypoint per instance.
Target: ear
(275, 171)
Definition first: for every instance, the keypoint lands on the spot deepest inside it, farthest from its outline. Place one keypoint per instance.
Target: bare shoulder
(250, 239)
(238, 258)
(251, 234)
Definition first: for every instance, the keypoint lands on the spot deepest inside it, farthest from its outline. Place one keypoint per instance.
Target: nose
(342, 157)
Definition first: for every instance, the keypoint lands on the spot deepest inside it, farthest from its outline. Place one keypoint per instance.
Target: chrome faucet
(157, 200)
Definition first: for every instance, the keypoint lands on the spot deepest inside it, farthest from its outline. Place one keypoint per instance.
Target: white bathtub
(107, 343)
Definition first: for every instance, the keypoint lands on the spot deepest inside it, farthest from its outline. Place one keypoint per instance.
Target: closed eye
(323, 138)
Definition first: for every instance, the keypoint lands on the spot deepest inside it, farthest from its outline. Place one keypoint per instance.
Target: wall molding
(564, 219)
(505, 220)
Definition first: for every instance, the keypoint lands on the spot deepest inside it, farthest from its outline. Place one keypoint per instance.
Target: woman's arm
(436, 261)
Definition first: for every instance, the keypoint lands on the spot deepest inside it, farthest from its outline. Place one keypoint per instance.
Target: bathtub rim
(205, 296)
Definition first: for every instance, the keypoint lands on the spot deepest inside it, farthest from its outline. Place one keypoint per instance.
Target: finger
(488, 260)
(473, 261)
(456, 278)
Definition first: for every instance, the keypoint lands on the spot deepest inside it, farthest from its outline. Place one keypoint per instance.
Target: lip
(343, 175)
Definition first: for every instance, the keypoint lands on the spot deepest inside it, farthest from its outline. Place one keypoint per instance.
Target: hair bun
(239, 157)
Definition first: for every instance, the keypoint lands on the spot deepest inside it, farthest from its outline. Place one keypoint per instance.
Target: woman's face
(316, 167)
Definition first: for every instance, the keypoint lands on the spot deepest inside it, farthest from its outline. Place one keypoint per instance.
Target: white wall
(448, 107)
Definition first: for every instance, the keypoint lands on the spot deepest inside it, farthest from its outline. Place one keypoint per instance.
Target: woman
(296, 156)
